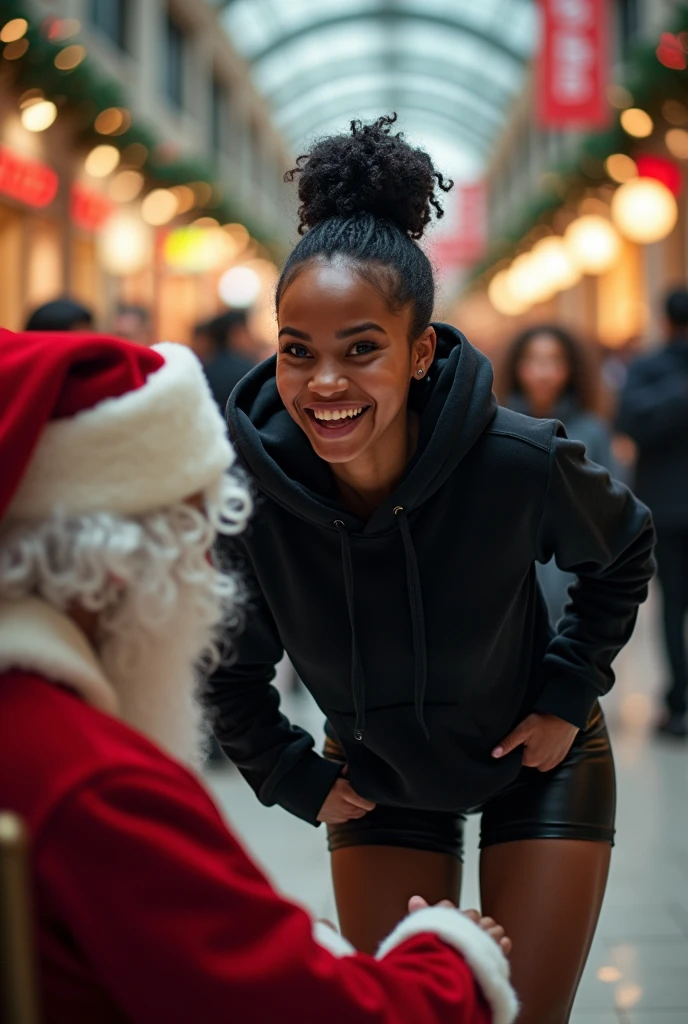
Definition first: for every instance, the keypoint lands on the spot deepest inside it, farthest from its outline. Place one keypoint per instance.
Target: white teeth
(336, 414)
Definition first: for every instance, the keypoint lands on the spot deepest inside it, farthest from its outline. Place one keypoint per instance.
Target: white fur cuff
(331, 940)
(482, 954)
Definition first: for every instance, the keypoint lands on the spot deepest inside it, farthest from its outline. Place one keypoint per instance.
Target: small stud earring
(420, 373)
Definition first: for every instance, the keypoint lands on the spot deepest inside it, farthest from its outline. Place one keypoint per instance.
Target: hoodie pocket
(395, 765)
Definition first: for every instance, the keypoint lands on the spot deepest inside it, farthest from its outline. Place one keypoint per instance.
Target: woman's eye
(363, 348)
(300, 351)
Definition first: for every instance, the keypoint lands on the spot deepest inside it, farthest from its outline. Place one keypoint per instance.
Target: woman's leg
(373, 884)
(547, 893)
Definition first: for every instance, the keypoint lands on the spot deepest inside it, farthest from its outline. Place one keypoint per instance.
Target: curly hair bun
(371, 171)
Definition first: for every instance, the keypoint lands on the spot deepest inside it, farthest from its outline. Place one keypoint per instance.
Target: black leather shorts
(576, 800)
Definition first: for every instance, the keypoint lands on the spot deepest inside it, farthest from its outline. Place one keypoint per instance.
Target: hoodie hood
(455, 404)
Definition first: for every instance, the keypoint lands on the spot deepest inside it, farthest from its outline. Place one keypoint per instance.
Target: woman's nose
(327, 382)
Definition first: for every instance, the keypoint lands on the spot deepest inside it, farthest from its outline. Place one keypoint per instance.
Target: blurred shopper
(392, 555)
(547, 375)
(133, 323)
(61, 315)
(654, 413)
(221, 344)
(114, 486)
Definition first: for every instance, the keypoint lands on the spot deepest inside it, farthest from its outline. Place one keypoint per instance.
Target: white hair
(162, 604)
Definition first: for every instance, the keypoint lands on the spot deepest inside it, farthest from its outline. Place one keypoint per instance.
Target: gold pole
(18, 987)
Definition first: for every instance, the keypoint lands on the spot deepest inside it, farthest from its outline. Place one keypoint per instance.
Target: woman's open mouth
(336, 421)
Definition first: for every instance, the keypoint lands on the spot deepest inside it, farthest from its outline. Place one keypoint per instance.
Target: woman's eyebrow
(359, 328)
(301, 335)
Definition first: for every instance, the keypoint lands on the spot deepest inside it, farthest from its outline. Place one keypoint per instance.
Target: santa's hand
(486, 924)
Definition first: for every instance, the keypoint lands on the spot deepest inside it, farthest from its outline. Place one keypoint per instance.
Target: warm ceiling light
(644, 210)
(677, 143)
(13, 51)
(125, 186)
(70, 57)
(14, 30)
(159, 207)
(125, 245)
(619, 97)
(502, 298)
(526, 280)
(637, 123)
(109, 121)
(554, 263)
(134, 155)
(239, 287)
(186, 198)
(101, 161)
(593, 243)
(620, 167)
(39, 116)
(675, 112)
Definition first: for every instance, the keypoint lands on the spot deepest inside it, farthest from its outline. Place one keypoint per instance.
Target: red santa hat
(92, 423)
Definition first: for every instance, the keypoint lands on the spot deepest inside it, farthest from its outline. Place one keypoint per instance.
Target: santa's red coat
(149, 910)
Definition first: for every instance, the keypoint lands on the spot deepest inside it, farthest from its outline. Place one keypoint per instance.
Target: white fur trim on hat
(481, 953)
(332, 940)
(38, 638)
(144, 450)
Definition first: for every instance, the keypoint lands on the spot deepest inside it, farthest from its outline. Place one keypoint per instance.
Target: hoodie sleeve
(653, 406)
(594, 527)
(275, 757)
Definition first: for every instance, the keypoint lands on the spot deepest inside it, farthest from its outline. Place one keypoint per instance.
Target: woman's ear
(423, 353)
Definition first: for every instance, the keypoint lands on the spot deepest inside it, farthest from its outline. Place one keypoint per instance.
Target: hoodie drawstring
(420, 667)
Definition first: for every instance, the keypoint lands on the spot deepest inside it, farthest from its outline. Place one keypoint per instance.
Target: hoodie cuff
(569, 699)
(482, 954)
(303, 789)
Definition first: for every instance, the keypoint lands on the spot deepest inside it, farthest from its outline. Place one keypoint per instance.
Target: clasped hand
(546, 740)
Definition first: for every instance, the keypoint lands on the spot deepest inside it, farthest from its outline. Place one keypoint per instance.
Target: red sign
(573, 64)
(88, 209)
(468, 242)
(28, 181)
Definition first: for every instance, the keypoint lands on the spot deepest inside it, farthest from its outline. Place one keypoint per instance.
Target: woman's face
(543, 370)
(344, 361)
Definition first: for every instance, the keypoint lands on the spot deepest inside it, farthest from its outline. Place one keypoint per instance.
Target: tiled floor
(638, 968)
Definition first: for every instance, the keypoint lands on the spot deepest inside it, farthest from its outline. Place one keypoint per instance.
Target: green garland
(88, 92)
(650, 83)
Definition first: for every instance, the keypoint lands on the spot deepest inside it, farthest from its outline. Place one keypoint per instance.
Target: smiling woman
(393, 557)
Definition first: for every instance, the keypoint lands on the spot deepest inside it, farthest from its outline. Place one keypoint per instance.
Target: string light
(637, 122)
(102, 160)
(14, 30)
(38, 116)
(593, 243)
(644, 210)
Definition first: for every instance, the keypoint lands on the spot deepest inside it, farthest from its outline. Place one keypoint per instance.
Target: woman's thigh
(547, 893)
(373, 884)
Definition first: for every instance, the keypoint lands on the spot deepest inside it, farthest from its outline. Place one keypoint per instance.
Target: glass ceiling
(448, 67)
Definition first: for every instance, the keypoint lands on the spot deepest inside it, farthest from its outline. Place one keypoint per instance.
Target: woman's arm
(275, 757)
(598, 530)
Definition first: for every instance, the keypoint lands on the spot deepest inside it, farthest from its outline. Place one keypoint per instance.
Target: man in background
(61, 315)
(226, 348)
(653, 411)
(133, 323)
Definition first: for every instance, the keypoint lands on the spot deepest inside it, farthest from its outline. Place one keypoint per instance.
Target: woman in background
(547, 375)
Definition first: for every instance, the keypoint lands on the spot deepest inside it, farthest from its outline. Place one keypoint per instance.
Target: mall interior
(143, 150)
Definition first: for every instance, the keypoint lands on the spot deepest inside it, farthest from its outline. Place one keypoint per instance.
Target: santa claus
(115, 481)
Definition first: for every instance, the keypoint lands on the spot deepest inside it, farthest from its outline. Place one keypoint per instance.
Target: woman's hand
(343, 803)
(546, 740)
(487, 924)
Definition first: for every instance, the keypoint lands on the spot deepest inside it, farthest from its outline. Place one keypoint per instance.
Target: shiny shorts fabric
(576, 800)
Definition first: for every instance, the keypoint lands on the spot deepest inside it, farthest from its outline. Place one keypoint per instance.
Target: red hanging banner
(573, 65)
(467, 243)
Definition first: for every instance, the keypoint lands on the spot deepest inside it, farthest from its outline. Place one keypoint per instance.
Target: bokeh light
(593, 243)
(39, 115)
(125, 245)
(239, 287)
(677, 143)
(621, 167)
(125, 186)
(502, 298)
(637, 122)
(70, 57)
(14, 30)
(159, 207)
(644, 210)
(101, 161)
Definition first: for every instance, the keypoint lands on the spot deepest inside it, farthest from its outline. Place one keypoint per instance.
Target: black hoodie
(421, 632)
